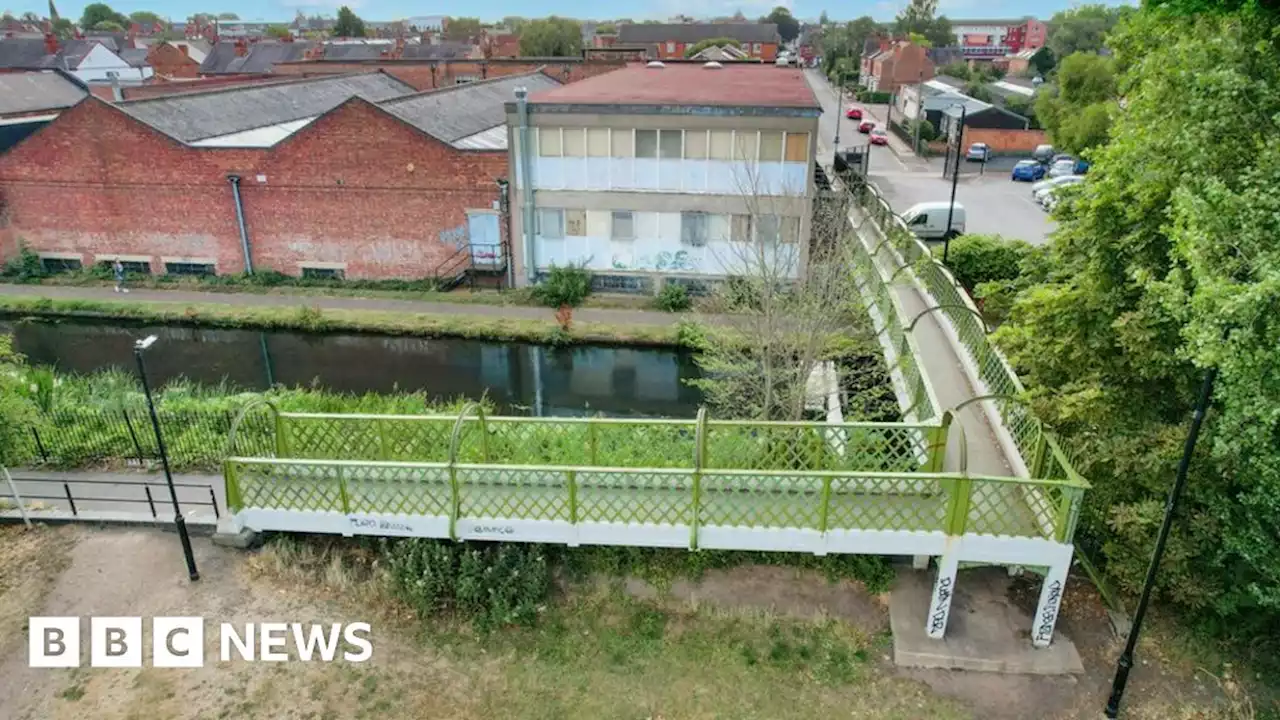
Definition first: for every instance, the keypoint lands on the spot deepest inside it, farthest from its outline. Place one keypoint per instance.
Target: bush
(674, 298)
(495, 585)
(24, 267)
(976, 259)
(568, 285)
(874, 98)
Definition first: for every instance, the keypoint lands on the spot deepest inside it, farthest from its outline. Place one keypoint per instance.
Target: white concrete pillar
(940, 602)
(919, 562)
(1046, 617)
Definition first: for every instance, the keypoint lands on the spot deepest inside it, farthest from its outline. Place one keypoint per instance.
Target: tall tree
(1084, 28)
(146, 18)
(462, 28)
(53, 12)
(98, 13)
(348, 24)
(551, 37)
(844, 43)
(920, 17)
(823, 20)
(1077, 111)
(280, 32)
(788, 26)
(228, 16)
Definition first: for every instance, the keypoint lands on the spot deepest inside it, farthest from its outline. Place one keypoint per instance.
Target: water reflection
(520, 378)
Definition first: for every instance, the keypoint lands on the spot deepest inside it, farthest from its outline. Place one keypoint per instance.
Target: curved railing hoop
(235, 423)
(986, 329)
(457, 428)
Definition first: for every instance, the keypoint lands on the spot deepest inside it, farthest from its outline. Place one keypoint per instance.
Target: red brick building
(759, 41)
(354, 175)
(430, 74)
(173, 61)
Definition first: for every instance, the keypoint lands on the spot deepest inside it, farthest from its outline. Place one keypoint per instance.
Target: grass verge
(311, 319)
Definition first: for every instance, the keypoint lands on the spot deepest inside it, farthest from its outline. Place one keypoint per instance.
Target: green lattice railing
(951, 503)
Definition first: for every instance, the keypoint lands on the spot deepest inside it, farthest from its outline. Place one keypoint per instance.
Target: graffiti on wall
(664, 261)
(455, 236)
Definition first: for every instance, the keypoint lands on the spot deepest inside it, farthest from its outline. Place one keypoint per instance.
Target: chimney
(242, 47)
(50, 44)
(185, 50)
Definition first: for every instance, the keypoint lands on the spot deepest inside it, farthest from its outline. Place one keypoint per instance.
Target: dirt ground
(674, 653)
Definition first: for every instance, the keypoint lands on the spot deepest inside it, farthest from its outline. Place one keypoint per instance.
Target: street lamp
(839, 113)
(955, 177)
(138, 349)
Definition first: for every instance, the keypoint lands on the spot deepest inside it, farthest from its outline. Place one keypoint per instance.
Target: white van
(928, 220)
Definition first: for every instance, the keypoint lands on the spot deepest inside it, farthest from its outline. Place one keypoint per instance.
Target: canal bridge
(900, 488)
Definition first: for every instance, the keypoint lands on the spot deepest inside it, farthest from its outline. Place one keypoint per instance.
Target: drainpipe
(244, 231)
(526, 184)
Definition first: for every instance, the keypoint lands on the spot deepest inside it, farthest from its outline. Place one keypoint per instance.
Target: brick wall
(431, 74)
(1006, 141)
(357, 186)
(170, 61)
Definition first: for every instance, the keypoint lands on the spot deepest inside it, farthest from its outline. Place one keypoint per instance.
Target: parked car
(853, 113)
(879, 137)
(1082, 167)
(928, 220)
(866, 126)
(1043, 153)
(978, 152)
(1047, 187)
(1028, 170)
(1062, 168)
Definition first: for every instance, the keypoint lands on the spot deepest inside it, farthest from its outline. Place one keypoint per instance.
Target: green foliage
(146, 18)
(977, 90)
(564, 285)
(874, 98)
(958, 69)
(348, 24)
(842, 47)
(606, 28)
(310, 317)
(920, 17)
(1077, 112)
(278, 31)
(1043, 62)
(98, 13)
(975, 259)
(709, 42)
(673, 298)
(17, 412)
(551, 37)
(109, 26)
(1084, 28)
(463, 28)
(1165, 264)
(63, 28)
(24, 267)
(232, 16)
(788, 26)
(495, 585)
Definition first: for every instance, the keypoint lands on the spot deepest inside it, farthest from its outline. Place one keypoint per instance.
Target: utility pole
(1126, 658)
(839, 113)
(955, 177)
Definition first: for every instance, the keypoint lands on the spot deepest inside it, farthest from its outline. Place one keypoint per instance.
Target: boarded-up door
(486, 239)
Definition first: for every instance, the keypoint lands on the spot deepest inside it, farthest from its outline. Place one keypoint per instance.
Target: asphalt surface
(993, 203)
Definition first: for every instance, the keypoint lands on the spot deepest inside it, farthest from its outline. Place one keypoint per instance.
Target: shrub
(976, 259)
(568, 285)
(674, 298)
(874, 98)
(740, 293)
(24, 267)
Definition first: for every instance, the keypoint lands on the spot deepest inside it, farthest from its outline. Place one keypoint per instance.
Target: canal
(519, 378)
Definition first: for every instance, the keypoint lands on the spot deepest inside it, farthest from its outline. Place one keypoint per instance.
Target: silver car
(1062, 168)
(1038, 189)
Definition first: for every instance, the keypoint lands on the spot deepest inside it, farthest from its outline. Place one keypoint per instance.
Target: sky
(496, 9)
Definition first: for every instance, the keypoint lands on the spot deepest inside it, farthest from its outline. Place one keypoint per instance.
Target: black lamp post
(839, 114)
(955, 177)
(138, 349)
(1126, 658)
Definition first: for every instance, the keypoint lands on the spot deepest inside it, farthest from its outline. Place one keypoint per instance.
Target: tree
(462, 28)
(63, 28)
(845, 42)
(1043, 61)
(552, 37)
(606, 28)
(279, 32)
(823, 20)
(108, 26)
(1084, 28)
(788, 26)
(348, 24)
(920, 17)
(1165, 264)
(27, 17)
(1076, 112)
(228, 16)
(514, 23)
(701, 45)
(97, 13)
(146, 18)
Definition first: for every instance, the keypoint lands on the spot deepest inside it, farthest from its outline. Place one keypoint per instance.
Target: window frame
(695, 228)
(542, 213)
(613, 225)
(636, 145)
(169, 266)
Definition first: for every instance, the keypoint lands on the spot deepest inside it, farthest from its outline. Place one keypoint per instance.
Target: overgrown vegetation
(673, 298)
(995, 269)
(564, 285)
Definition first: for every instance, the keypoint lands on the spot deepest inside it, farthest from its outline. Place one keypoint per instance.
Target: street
(993, 203)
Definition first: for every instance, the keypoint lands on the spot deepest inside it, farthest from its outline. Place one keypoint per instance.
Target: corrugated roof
(697, 32)
(734, 85)
(26, 53)
(259, 58)
(195, 116)
(452, 114)
(37, 91)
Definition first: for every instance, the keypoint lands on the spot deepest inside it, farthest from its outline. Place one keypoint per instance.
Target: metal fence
(105, 500)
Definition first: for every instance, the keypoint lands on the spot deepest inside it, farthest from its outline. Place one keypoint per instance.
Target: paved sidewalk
(112, 496)
(188, 297)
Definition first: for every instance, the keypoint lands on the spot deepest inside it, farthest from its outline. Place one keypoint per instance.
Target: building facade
(664, 174)
(996, 38)
(903, 63)
(760, 41)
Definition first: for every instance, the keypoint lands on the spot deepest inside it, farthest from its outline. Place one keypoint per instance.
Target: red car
(866, 126)
(853, 113)
(879, 137)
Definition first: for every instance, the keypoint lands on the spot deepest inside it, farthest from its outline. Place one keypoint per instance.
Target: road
(993, 203)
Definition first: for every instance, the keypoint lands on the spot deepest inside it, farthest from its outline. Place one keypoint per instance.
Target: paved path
(113, 496)
(244, 299)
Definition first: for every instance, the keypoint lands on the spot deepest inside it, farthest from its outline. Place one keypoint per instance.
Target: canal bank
(326, 313)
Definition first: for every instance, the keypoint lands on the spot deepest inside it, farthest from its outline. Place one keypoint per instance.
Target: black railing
(131, 492)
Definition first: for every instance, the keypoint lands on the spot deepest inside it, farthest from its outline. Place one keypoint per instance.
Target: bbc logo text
(178, 642)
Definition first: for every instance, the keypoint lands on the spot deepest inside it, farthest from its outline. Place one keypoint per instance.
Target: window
(623, 143)
(771, 146)
(597, 142)
(551, 224)
(755, 48)
(59, 265)
(694, 228)
(790, 229)
(797, 147)
(132, 267)
(769, 228)
(622, 284)
(189, 268)
(549, 142)
(671, 144)
(575, 223)
(322, 273)
(721, 144)
(921, 219)
(574, 142)
(740, 228)
(744, 145)
(695, 145)
(646, 143)
(624, 225)
(671, 47)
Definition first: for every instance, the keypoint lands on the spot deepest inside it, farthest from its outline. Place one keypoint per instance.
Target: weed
(673, 298)
(567, 285)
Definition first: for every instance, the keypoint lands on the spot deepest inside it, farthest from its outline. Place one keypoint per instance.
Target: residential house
(241, 56)
(760, 41)
(902, 63)
(664, 173)
(175, 59)
(30, 100)
(89, 60)
(355, 176)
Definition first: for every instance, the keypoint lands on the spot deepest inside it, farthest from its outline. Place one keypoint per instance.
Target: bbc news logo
(178, 642)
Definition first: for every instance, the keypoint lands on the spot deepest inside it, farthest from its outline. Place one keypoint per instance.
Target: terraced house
(658, 173)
